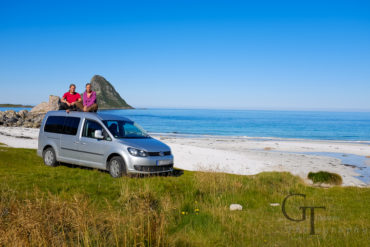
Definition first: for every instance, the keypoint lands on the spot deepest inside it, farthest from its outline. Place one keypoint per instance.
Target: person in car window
(89, 100)
(71, 100)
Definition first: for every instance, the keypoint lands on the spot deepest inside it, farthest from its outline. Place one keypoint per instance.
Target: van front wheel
(49, 157)
(117, 167)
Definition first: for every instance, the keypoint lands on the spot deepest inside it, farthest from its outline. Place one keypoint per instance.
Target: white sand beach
(239, 155)
(19, 137)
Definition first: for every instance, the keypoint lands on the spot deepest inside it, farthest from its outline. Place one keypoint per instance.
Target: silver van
(101, 141)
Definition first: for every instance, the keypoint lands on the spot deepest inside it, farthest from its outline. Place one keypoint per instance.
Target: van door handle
(76, 142)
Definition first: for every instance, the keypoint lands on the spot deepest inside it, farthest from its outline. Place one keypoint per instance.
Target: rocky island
(107, 98)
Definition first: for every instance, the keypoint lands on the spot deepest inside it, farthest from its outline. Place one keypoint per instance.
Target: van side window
(62, 125)
(90, 127)
(71, 125)
(54, 124)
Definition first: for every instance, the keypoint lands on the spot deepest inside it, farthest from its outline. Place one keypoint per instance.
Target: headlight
(137, 152)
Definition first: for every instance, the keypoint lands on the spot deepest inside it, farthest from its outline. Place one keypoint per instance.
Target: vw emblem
(161, 154)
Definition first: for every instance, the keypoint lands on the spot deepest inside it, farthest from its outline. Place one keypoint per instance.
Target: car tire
(49, 157)
(117, 167)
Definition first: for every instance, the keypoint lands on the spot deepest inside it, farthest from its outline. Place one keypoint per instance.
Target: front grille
(154, 168)
(157, 153)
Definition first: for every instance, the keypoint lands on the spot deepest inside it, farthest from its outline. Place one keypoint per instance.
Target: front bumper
(154, 169)
(150, 164)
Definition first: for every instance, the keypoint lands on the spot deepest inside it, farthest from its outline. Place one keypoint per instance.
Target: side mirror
(98, 134)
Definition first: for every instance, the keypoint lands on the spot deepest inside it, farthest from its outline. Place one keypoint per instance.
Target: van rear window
(62, 125)
(71, 125)
(54, 124)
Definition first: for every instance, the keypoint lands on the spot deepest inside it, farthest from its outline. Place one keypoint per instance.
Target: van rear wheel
(49, 157)
(117, 167)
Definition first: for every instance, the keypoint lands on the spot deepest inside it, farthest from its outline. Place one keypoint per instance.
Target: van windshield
(124, 129)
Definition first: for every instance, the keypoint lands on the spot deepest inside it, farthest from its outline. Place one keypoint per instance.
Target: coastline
(15, 106)
(256, 138)
(242, 155)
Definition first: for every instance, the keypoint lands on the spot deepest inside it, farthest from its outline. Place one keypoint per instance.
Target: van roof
(92, 115)
(104, 116)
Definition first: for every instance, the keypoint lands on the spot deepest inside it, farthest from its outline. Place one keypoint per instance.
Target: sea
(317, 125)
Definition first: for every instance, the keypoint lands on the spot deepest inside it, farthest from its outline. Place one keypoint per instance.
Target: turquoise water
(14, 108)
(353, 126)
(284, 124)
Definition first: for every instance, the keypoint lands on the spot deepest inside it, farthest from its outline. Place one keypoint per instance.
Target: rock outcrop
(107, 96)
(22, 118)
(29, 119)
(44, 107)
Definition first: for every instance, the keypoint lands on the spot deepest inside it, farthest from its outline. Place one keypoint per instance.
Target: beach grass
(71, 206)
(325, 177)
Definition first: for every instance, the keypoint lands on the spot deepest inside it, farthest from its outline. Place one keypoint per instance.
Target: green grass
(66, 206)
(325, 177)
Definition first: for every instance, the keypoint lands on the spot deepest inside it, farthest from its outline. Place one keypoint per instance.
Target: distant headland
(16, 106)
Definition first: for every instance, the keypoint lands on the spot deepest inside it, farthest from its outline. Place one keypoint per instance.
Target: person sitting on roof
(71, 100)
(89, 100)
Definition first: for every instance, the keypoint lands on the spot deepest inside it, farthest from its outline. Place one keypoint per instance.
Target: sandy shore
(240, 155)
(19, 137)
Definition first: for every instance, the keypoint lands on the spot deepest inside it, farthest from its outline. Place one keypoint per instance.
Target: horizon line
(236, 108)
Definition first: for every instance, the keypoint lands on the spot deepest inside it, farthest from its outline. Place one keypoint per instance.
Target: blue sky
(201, 54)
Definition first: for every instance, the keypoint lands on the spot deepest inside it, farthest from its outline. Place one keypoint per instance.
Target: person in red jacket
(71, 100)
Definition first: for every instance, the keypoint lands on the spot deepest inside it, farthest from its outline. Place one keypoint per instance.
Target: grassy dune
(71, 206)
